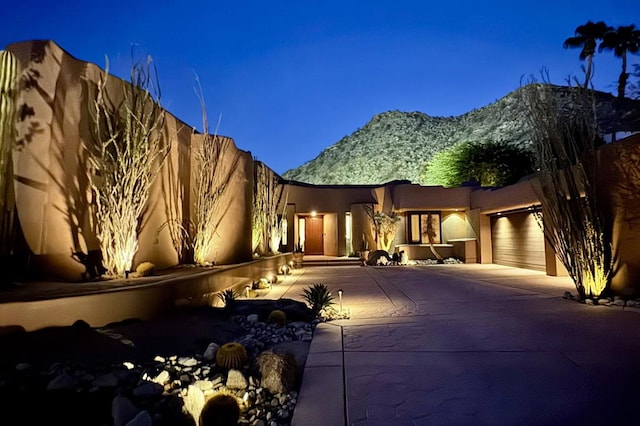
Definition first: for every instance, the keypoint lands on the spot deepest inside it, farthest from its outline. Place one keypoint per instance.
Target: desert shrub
(489, 163)
(228, 297)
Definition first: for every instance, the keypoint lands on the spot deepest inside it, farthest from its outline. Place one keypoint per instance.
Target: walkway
(466, 344)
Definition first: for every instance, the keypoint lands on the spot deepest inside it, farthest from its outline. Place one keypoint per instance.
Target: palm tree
(587, 36)
(623, 40)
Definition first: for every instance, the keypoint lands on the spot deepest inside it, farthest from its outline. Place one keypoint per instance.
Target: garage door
(517, 240)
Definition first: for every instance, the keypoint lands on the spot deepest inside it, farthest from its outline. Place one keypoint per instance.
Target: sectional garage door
(517, 240)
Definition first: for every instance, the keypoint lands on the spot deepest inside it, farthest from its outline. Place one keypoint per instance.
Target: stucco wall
(619, 171)
(51, 184)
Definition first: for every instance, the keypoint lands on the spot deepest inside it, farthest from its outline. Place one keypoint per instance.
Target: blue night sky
(290, 78)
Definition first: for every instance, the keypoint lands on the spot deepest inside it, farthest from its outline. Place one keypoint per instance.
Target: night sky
(290, 78)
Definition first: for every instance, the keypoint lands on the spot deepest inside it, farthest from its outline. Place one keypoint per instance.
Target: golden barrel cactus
(277, 317)
(220, 410)
(231, 355)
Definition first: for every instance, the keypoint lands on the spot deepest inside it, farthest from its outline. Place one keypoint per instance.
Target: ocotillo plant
(212, 181)
(571, 216)
(130, 148)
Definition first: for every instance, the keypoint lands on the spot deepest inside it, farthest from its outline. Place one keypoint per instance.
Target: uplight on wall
(301, 231)
(348, 228)
(314, 213)
(285, 233)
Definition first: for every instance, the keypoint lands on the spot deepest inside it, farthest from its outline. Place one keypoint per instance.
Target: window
(301, 232)
(285, 231)
(421, 224)
(348, 226)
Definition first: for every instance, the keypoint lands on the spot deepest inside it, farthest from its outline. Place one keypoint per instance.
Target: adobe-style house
(472, 224)
(467, 223)
(476, 225)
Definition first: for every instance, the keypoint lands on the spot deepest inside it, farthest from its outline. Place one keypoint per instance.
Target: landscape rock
(236, 380)
(123, 411)
(141, 419)
(193, 400)
(148, 390)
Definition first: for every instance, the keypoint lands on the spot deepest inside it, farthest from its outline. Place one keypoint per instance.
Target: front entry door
(314, 237)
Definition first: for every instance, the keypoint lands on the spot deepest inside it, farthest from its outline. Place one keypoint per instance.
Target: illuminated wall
(50, 163)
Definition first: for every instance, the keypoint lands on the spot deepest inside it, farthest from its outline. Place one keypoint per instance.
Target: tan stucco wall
(619, 169)
(513, 197)
(50, 163)
(53, 198)
(415, 197)
(333, 202)
(454, 225)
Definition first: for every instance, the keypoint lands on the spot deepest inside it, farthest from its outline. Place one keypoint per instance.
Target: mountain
(396, 145)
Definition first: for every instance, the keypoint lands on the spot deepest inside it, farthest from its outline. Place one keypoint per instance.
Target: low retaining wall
(151, 298)
(423, 252)
(462, 248)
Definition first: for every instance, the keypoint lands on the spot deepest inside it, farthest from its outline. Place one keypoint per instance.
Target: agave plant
(228, 297)
(317, 297)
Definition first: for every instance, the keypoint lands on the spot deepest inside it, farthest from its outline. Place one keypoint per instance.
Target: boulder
(372, 260)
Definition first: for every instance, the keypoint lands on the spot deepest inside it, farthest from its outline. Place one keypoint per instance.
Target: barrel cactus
(146, 269)
(277, 317)
(231, 355)
(220, 410)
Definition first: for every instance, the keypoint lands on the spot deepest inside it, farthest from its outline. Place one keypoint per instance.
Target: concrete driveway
(466, 344)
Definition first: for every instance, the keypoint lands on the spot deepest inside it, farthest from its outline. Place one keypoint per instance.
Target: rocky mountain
(396, 145)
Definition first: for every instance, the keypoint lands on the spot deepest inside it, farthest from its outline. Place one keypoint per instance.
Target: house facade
(473, 224)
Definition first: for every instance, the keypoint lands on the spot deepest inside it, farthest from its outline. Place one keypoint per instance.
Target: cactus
(228, 297)
(146, 269)
(8, 91)
(231, 355)
(220, 410)
(277, 317)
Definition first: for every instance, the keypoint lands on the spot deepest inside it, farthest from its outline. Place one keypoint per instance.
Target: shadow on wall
(53, 195)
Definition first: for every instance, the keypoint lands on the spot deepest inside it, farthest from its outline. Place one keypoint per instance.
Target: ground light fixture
(284, 269)
(246, 290)
(340, 297)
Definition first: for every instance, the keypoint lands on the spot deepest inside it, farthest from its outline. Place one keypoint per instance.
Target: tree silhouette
(622, 40)
(586, 37)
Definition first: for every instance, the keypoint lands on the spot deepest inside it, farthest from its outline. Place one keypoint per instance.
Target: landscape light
(246, 290)
(340, 297)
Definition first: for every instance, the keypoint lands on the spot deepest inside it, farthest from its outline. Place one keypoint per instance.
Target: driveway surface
(467, 345)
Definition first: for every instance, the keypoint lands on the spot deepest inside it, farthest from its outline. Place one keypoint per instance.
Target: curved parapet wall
(53, 197)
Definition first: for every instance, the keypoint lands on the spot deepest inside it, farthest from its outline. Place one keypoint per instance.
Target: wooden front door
(314, 236)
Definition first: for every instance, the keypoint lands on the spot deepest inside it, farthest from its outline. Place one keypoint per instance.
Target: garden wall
(52, 187)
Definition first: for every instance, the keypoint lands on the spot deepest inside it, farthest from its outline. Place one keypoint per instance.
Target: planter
(297, 259)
